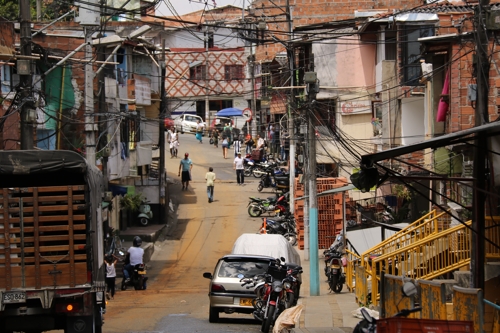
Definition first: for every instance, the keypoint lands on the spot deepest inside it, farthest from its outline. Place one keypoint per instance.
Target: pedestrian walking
(210, 178)
(174, 143)
(225, 146)
(237, 147)
(238, 166)
(186, 165)
(215, 138)
(199, 131)
(110, 276)
(228, 133)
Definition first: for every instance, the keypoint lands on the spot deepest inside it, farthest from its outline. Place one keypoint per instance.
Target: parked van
(275, 246)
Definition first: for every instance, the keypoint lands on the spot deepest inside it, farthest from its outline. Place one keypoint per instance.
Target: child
(110, 276)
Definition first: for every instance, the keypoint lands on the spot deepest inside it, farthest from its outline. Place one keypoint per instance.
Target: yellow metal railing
(492, 233)
(429, 224)
(426, 259)
(352, 260)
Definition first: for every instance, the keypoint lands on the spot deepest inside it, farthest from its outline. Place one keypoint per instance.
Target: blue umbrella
(230, 112)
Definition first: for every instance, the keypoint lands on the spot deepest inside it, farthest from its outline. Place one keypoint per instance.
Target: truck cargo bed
(43, 237)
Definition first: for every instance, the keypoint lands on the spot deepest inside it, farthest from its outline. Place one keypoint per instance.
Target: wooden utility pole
(481, 117)
(28, 115)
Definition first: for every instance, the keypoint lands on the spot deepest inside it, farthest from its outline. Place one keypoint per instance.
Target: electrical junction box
(310, 77)
(493, 20)
(472, 92)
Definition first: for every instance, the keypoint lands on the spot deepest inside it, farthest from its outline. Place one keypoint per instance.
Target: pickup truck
(51, 253)
(188, 123)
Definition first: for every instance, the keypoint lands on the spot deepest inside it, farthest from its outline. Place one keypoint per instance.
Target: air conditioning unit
(108, 196)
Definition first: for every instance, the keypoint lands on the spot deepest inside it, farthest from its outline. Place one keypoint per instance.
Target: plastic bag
(287, 319)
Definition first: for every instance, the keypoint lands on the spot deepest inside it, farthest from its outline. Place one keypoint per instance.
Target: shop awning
(444, 140)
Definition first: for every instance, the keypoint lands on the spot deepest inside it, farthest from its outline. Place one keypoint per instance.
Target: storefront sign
(355, 107)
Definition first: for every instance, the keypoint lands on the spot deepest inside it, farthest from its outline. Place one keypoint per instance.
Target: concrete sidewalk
(328, 312)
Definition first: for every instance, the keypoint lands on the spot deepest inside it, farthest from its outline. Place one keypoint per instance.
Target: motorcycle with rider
(134, 270)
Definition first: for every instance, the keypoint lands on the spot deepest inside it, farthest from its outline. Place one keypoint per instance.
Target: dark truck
(51, 243)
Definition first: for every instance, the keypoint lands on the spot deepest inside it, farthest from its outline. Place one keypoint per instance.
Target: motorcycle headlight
(287, 285)
(277, 286)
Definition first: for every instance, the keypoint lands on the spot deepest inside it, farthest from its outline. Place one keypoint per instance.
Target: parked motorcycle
(333, 264)
(145, 214)
(272, 205)
(283, 225)
(281, 183)
(274, 291)
(137, 279)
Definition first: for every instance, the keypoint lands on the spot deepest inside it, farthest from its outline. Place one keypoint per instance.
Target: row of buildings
(385, 71)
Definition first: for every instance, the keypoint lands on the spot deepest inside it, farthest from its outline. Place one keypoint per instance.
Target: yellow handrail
(420, 229)
(352, 260)
(426, 259)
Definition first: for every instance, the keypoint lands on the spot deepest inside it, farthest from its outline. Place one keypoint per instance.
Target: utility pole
(310, 78)
(481, 117)
(207, 86)
(24, 67)
(89, 99)
(89, 16)
(161, 169)
(291, 125)
(38, 10)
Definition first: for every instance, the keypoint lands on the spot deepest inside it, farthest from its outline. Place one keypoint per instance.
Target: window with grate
(198, 73)
(233, 72)
(410, 52)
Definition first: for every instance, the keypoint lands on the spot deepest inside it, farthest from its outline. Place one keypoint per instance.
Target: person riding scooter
(134, 257)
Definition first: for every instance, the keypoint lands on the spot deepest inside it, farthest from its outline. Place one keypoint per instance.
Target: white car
(187, 123)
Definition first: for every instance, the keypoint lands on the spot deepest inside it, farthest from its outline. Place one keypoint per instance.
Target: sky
(185, 6)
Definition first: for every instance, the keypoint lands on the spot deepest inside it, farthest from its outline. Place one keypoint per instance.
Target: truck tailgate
(43, 237)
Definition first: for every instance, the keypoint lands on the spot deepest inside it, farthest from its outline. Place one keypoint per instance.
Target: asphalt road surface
(176, 300)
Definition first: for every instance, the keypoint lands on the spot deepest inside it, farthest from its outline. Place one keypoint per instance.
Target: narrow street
(176, 299)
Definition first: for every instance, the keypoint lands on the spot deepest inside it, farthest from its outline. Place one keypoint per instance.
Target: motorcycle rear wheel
(334, 284)
(266, 324)
(139, 283)
(254, 211)
(256, 173)
(247, 172)
(291, 238)
(260, 188)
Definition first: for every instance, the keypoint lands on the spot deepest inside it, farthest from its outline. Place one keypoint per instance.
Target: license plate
(14, 297)
(246, 302)
(141, 272)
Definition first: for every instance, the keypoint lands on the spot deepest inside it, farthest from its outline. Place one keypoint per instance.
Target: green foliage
(131, 202)
(9, 10)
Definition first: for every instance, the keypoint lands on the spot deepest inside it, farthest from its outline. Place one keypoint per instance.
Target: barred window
(233, 72)
(198, 73)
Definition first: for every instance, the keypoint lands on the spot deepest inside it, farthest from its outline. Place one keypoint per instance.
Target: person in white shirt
(134, 257)
(238, 166)
(210, 177)
(110, 276)
(260, 142)
(237, 147)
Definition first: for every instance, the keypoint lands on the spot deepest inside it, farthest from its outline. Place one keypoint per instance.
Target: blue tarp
(229, 112)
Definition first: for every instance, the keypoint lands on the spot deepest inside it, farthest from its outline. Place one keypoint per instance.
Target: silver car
(225, 290)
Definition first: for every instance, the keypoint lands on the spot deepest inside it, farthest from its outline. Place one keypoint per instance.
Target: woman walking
(225, 145)
(199, 131)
